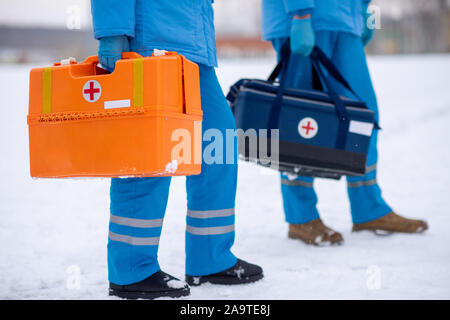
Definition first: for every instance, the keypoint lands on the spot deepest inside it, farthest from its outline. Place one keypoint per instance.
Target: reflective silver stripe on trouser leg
(199, 214)
(371, 168)
(357, 184)
(136, 223)
(296, 183)
(208, 231)
(204, 215)
(135, 241)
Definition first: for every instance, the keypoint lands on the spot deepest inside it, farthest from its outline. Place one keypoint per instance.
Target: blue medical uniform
(338, 27)
(138, 205)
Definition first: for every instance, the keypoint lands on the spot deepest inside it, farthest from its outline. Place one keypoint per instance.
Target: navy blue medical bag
(321, 134)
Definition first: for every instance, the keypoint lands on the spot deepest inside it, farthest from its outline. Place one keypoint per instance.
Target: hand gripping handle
(125, 55)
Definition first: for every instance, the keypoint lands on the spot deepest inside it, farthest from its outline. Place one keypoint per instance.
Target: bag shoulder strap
(285, 54)
(316, 54)
(275, 72)
(319, 55)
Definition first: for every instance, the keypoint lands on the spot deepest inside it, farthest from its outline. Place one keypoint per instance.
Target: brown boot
(392, 222)
(315, 233)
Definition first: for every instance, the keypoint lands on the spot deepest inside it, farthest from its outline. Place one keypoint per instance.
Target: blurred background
(47, 30)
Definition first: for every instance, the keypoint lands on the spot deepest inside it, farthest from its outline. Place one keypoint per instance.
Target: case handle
(125, 55)
(89, 66)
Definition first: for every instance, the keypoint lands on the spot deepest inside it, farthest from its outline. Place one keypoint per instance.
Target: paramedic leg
(368, 208)
(364, 193)
(137, 211)
(299, 196)
(211, 194)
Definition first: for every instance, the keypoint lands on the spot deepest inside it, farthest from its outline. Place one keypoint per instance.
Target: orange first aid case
(137, 121)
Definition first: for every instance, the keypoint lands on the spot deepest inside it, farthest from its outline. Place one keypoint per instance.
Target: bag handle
(320, 56)
(316, 54)
(317, 59)
(341, 111)
(285, 53)
(280, 69)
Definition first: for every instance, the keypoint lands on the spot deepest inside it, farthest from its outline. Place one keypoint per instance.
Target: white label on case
(360, 127)
(117, 104)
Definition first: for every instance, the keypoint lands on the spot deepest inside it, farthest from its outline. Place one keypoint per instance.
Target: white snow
(290, 176)
(239, 272)
(53, 233)
(176, 284)
(172, 166)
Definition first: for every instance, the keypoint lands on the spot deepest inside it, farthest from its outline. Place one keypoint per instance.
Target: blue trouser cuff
(123, 262)
(206, 256)
(299, 200)
(209, 238)
(138, 206)
(366, 202)
(376, 214)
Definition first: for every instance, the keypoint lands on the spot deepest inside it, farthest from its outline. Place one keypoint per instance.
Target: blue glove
(302, 36)
(110, 50)
(367, 34)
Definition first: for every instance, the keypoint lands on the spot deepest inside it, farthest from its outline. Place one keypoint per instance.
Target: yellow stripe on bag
(47, 90)
(138, 78)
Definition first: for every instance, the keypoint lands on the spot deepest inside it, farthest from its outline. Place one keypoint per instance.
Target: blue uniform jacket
(330, 15)
(185, 26)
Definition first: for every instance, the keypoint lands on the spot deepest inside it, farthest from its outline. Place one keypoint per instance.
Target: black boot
(241, 272)
(159, 284)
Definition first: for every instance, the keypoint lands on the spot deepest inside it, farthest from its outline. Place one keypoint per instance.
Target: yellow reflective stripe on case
(138, 82)
(47, 90)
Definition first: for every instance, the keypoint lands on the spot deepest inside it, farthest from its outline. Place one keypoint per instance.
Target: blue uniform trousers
(138, 206)
(299, 198)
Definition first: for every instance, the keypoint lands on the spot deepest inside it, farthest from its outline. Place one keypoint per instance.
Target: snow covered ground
(53, 233)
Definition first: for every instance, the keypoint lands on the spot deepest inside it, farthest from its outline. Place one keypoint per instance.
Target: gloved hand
(110, 50)
(302, 35)
(367, 34)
